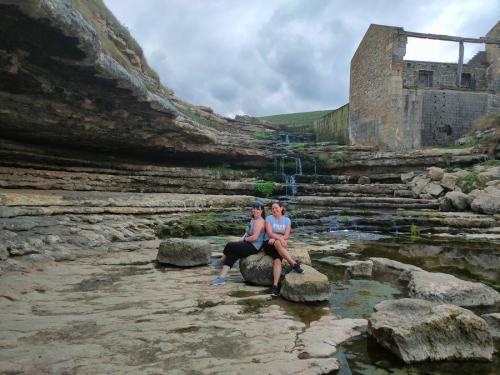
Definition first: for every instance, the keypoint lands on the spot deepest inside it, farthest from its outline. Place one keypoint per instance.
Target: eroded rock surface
(417, 330)
(184, 253)
(310, 286)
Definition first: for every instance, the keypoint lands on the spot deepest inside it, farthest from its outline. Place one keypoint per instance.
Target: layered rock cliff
(71, 76)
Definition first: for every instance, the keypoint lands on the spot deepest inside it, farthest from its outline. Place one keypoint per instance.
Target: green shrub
(264, 189)
(259, 135)
(470, 182)
(414, 231)
(160, 230)
(337, 158)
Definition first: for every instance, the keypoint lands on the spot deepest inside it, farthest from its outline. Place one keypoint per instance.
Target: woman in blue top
(278, 229)
(251, 243)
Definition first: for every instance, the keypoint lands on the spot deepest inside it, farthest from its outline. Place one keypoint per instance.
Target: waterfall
(298, 167)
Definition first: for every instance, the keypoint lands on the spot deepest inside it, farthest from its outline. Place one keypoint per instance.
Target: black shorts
(271, 251)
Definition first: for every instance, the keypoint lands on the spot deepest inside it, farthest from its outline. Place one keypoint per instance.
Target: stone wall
(493, 59)
(444, 74)
(372, 76)
(447, 114)
(333, 127)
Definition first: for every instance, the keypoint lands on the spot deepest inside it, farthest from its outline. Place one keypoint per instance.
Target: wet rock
(310, 286)
(417, 330)
(493, 321)
(486, 201)
(358, 268)
(435, 173)
(258, 268)
(393, 267)
(184, 253)
(320, 340)
(444, 288)
(455, 201)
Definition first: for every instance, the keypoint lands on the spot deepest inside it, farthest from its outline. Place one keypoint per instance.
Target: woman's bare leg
(283, 251)
(276, 271)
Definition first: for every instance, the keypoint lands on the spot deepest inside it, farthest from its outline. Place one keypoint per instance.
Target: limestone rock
(406, 177)
(417, 330)
(389, 266)
(358, 268)
(492, 173)
(258, 268)
(435, 173)
(184, 253)
(418, 184)
(493, 321)
(310, 286)
(444, 288)
(363, 180)
(434, 189)
(486, 201)
(320, 340)
(449, 181)
(455, 201)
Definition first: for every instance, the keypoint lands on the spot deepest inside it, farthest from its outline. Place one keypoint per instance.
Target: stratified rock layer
(417, 330)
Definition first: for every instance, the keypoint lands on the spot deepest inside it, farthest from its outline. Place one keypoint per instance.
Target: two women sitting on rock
(271, 235)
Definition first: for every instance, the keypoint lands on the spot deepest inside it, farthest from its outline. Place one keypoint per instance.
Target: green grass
(470, 182)
(414, 231)
(337, 158)
(259, 135)
(298, 118)
(492, 163)
(197, 118)
(265, 189)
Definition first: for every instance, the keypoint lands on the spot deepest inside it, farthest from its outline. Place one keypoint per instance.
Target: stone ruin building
(399, 104)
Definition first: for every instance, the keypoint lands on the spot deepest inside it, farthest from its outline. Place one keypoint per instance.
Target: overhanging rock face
(70, 76)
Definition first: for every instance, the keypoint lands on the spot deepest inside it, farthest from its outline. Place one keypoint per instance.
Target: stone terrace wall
(333, 127)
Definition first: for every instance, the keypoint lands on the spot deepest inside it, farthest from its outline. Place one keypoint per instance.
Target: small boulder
(492, 173)
(393, 267)
(444, 288)
(417, 330)
(455, 201)
(184, 253)
(449, 181)
(493, 321)
(407, 177)
(364, 180)
(486, 201)
(310, 286)
(435, 173)
(434, 189)
(419, 183)
(358, 268)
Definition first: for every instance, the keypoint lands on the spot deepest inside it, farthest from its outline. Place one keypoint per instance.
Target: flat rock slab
(184, 253)
(310, 286)
(493, 321)
(258, 268)
(444, 288)
(321, 339)
(417, 330)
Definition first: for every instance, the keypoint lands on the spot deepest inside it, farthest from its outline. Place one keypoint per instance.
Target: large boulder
(493, 321)
(444, 288)
(184, 253)
(455, 201)
(258, 268)
(393, 267)
(486, 201)
(417, 330)
(492, 173)
(310, 286)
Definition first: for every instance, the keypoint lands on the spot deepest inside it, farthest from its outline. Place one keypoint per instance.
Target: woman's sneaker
(297, 268)
(275, 291)
(218, 281)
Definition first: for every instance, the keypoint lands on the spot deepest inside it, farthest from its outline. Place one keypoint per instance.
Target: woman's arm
(257, 227)
(270, 233)
(288, 231)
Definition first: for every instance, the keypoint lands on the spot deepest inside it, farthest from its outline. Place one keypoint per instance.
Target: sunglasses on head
(259, 207)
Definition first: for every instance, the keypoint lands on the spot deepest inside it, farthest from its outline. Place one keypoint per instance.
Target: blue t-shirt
(258, 242)
(278, 226)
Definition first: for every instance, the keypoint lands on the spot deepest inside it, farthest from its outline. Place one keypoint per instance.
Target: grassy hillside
(299, 118)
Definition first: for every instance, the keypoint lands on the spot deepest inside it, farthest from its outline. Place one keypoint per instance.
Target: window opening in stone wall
(431, 50)
(467, 81)
(425, 78)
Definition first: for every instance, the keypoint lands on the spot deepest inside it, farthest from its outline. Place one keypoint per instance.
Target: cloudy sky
(262, 57)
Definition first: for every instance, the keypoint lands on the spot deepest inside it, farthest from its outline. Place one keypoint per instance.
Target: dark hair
(283, 208)
(263, 212)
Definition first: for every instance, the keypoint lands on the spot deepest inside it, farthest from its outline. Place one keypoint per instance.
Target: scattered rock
(417, 330)
(492, 173)
(406, 177)
(455, 201)
(310, 286)
(486, 201)
(444, 288)
(493, 321)
(435, 173)
(363, 180)
(184, 253)
(434, 189)
(449, 181)
(358, 268)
